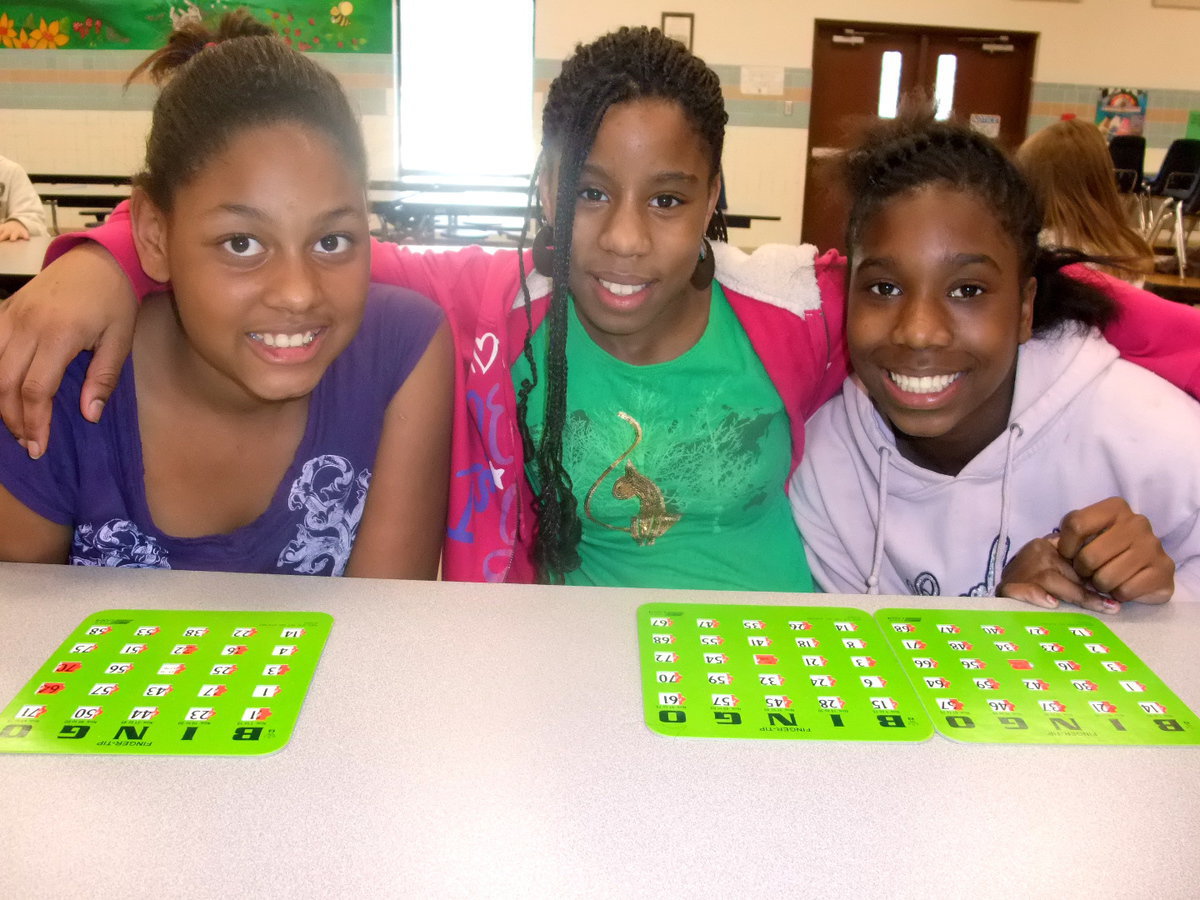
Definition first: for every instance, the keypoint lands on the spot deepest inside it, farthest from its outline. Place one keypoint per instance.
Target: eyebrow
(253, 212)
(958, 260)
(669, 177)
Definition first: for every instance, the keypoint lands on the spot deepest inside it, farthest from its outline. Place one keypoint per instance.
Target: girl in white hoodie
(989, 442)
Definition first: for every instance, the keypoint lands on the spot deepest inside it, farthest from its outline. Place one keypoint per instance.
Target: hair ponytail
(215, 84)
(191, 38)
(1062, 299)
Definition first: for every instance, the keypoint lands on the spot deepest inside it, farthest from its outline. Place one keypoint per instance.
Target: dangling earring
(706, 267)
(543, 250)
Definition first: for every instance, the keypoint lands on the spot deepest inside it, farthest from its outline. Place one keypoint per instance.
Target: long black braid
(901, 155)
(624, 65)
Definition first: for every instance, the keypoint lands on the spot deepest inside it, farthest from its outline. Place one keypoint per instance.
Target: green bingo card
(1033, 678)
(785, 672)
(178, 682)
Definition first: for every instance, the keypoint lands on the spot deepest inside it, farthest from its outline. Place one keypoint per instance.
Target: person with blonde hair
(1070, 170)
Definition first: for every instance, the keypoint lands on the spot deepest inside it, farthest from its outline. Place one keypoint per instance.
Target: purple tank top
(92, 476)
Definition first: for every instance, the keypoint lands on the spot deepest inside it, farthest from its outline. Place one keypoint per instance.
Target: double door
(862, 70)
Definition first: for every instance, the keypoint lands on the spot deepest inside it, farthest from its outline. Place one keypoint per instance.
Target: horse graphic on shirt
(653, 520)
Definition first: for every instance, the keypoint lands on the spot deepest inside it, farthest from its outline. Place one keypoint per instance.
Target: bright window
(943, 91)
(889, 83)
(466, 86)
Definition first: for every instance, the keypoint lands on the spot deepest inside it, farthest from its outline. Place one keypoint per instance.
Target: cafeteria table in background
(92, 195)
(488, 740)
(1182, 289)
(20, 261)
(469, 215)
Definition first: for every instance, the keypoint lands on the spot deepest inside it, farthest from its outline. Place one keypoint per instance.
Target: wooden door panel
(845, 96)
(991, 83)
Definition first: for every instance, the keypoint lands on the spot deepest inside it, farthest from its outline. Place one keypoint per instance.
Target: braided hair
(216, 83)
(899, 156)
(624, 65)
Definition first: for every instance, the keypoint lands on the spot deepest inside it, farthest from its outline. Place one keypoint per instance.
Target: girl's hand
(1039, 574)
(1116, 551)
(12, 230)
(80, 301)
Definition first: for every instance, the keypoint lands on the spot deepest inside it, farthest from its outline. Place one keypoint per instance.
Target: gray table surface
(465, 740)
(23, 257)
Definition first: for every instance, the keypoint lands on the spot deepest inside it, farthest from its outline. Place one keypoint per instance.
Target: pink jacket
(790, 303)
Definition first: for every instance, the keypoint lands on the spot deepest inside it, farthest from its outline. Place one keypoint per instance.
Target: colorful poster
(1121, 111)
(326, 26)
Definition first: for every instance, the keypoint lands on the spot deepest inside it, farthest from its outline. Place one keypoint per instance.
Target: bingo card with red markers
(1033, 678)
(783, 672)
(139, 681)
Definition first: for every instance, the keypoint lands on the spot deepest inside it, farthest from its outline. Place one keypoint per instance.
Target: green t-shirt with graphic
(679, 467)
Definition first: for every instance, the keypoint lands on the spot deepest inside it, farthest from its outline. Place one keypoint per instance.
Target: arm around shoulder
(1157, 334)
(405, 518)
(80, 301)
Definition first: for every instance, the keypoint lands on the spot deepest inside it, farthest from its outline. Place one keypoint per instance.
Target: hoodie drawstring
(996, 567)
(877, 555)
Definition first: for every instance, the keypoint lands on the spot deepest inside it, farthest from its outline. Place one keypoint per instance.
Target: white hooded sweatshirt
(1084, 426)
(18, 199)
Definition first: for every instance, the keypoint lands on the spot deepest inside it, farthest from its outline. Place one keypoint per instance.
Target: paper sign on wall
(762, 80)
(986, 124)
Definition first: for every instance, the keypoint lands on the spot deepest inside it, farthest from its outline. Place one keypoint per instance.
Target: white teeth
(621, 290)
(926, 384)
(302, 339)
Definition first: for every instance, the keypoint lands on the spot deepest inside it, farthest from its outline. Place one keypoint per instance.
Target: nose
(625, 231)
(293, 284)
(922, 321)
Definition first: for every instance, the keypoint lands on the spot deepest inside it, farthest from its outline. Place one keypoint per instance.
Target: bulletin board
(326, 26)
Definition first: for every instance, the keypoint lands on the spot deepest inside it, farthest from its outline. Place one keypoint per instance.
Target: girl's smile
(924, 385)
(288, 348)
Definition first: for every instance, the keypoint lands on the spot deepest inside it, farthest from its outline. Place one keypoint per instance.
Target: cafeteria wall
(64, 111)
(1082, 46)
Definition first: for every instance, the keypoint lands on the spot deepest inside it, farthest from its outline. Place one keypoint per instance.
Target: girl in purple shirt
(275, 415)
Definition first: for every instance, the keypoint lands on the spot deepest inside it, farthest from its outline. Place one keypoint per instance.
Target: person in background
(1070, 170)
(278, 414)
(21, 211)
(990, 440)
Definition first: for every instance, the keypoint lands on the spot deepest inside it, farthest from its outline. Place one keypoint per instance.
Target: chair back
(1182, 156)
(1189, 201)
(1128, 152)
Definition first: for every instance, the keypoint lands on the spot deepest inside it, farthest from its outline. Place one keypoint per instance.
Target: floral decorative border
(328, 26)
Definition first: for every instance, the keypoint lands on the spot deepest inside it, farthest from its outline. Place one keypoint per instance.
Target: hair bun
(193, 37)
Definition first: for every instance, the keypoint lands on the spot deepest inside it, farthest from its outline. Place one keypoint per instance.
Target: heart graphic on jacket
(491, 342)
